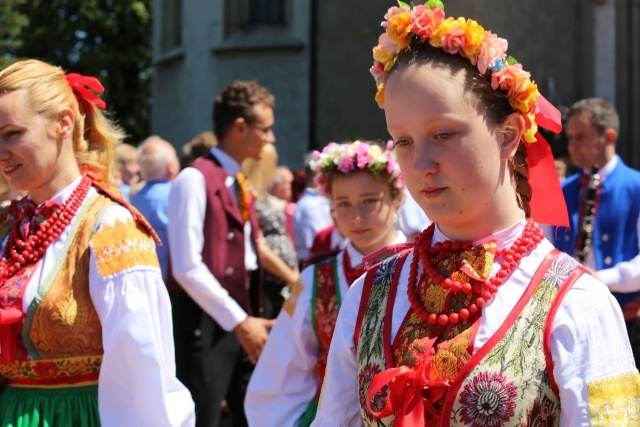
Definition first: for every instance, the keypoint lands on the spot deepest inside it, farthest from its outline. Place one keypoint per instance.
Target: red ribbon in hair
(81, 85)
(547, 201)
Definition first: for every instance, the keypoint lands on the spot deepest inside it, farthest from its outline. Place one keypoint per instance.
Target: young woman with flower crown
(85, 319)
(482, 322)
(364, 185)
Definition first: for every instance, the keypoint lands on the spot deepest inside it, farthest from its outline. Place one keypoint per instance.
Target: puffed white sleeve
(339, 403)
(285, 381)
(137, 384)
(592, 360)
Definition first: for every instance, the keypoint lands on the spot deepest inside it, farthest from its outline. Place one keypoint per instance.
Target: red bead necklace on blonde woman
(531, 236)
(26, 247)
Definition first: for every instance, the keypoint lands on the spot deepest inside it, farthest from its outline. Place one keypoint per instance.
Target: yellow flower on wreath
(474, 35)
(399, 29)
(380, 94)
(524, 100)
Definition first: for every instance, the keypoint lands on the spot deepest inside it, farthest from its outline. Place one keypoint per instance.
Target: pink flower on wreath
(393, 12)
(363, 156)
(377, 71)
(512, 77)
(386, 43)
(492, 49)
(346, 165)
(454, 40)
(425, 20)
(488, 400)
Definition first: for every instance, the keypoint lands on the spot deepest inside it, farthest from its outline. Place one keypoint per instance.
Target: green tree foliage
(108, 39)
(11, 22)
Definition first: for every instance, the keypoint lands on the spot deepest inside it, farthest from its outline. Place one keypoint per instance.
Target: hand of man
(252, 334)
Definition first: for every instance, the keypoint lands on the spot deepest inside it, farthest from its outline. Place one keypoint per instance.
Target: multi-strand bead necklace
(531, 236)
(22, 251)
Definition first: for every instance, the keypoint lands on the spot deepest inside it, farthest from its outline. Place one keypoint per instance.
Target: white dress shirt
(285, 379)
(137, 384)
(187, 207)
(588, 340)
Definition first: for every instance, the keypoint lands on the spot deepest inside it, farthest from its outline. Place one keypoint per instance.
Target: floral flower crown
(427, 23)
(345, 158)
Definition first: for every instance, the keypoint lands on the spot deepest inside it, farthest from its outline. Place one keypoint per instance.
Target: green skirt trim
(49, 407)
(309, 414)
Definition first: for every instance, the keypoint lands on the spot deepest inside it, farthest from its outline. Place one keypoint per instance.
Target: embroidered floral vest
(505, 383)
(326, 301)
(62, 332)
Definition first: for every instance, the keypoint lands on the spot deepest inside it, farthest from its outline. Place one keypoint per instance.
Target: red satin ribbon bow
(81, 85)
(8, 345)
(411, 396)
(547, 201)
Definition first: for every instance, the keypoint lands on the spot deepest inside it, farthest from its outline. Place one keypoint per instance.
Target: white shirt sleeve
(624, 276)
(339, 403)
(285, 381)
(137, 383)
(588, 341)
(187, 207)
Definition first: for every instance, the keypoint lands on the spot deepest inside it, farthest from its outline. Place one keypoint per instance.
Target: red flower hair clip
(81, 85)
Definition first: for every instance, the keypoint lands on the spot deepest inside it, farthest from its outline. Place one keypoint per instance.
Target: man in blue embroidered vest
(610, 243)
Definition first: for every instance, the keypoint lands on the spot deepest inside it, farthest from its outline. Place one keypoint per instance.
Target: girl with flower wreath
(482, 323)
(85, 318)
(364, 185)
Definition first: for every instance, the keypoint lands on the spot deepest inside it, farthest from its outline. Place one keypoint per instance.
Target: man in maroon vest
(216, 255)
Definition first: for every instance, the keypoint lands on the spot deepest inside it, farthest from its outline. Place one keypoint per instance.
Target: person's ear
(240, 125)
(511, 133)
(610, 136)
(65, 124)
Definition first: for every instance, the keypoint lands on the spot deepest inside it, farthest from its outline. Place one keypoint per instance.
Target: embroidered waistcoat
(505, 383)
(326, 301)
(62, 333)
(224, 243)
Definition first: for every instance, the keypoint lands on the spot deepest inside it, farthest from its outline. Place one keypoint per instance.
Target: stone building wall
(318, 65)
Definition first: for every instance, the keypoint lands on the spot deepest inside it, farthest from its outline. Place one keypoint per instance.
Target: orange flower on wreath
(474, 35)
(399, 29)
(525, 100)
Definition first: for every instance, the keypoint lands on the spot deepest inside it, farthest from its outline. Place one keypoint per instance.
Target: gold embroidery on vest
(615, 400)
(65, 323)
(121, 246)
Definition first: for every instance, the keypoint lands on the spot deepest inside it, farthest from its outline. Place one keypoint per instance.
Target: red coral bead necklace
(20, 252)
(531, 236)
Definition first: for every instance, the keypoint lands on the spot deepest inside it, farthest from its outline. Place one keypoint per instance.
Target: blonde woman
(85, 322)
